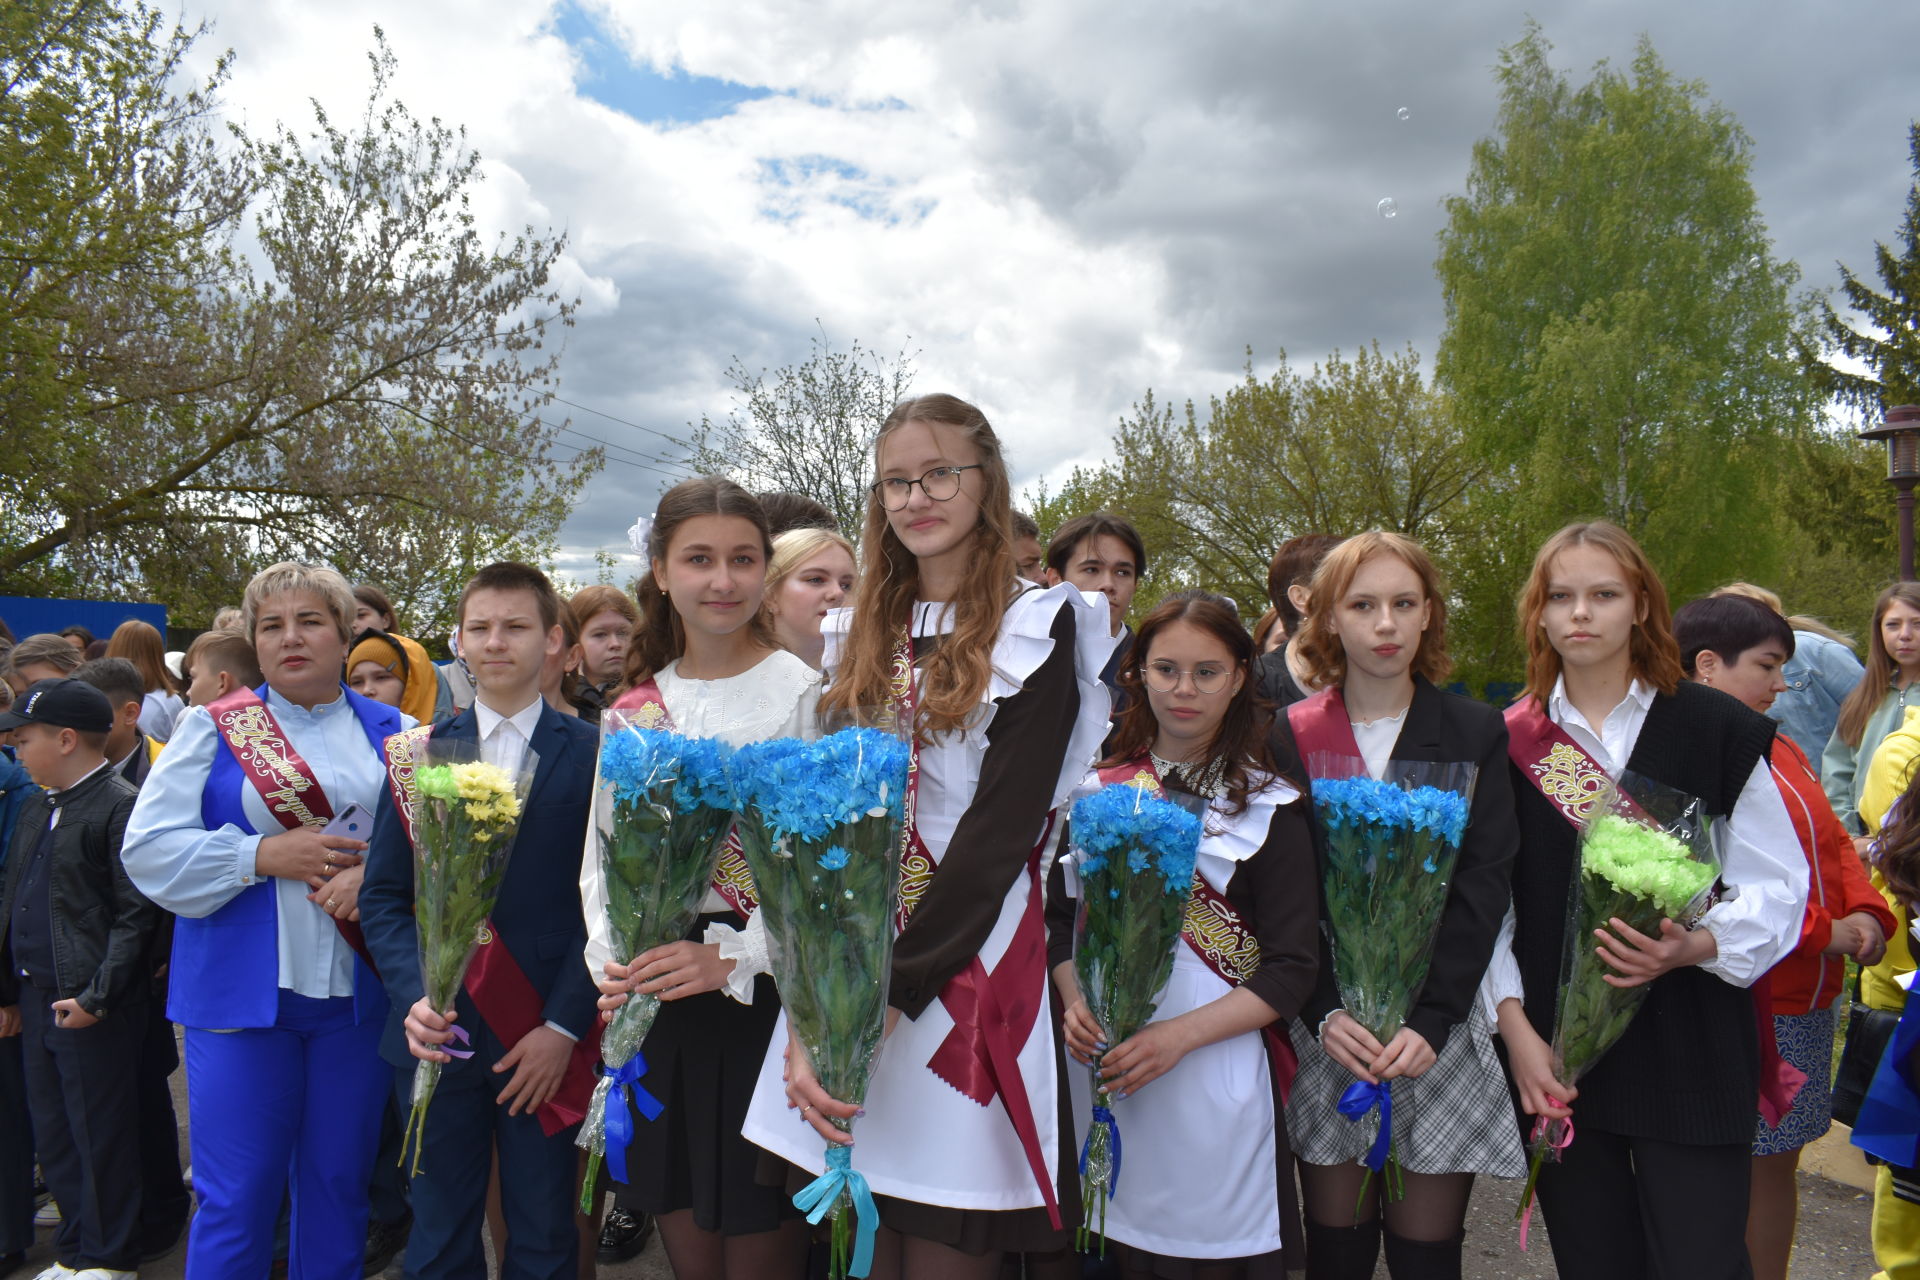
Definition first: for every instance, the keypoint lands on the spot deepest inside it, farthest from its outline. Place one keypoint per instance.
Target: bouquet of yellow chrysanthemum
(465, 814)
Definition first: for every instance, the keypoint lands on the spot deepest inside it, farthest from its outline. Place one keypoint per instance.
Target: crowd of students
(252, 882)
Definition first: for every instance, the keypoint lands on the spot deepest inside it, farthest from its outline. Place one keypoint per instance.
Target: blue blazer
(538, 916)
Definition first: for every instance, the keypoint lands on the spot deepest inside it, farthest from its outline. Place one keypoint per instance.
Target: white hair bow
(638, 536)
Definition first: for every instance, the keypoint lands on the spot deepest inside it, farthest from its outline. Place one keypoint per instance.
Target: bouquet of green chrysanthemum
(1133, 855)
(821, 827)
(465, 814)
(670, 804)
(1390, 849)
(1649, 853)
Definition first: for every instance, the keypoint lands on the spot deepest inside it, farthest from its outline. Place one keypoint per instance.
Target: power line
(601, 413)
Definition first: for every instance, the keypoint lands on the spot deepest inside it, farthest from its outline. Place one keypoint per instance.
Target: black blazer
(538, 916)
(1445, 727)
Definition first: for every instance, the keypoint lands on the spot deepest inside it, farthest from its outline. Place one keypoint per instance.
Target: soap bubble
(1387, 208)
(1404, 113)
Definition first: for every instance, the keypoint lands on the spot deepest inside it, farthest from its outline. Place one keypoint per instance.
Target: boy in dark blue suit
(505, 1093)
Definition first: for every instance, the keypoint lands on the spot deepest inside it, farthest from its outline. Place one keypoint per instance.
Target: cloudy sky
(1056, 204)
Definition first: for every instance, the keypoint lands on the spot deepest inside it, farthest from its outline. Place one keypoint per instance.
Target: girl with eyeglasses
(1374, 641)
(967, 1159)
(1207, 1190)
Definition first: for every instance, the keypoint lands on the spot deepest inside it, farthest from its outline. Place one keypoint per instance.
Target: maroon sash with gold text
(993, 1011)
(646, 708)
(500, 989)
(1216, 932)
(1574, 783)
(282, 776)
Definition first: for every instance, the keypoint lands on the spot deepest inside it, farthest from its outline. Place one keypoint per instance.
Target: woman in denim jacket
(1821, 673)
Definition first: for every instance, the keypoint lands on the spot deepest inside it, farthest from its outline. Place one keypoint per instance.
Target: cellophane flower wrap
(1391, 844)
(1648, 853)
(669, 800)
(1133, 855)
(821, 826)
(465, 814)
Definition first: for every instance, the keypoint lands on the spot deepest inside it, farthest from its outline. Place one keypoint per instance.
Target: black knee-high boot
(1342, 1253)
(1424, 1259)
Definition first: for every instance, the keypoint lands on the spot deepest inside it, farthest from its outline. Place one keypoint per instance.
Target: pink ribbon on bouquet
(1540, 1128)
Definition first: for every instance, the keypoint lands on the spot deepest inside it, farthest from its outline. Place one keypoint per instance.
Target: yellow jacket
(1887, 778)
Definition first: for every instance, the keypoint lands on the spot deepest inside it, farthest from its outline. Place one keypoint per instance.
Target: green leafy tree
(1891, 347)
(366, 378)
(806, 428)
(1618, 341)
(1349, 445)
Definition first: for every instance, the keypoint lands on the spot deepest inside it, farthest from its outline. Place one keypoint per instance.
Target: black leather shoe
(623, 1235)
(385, 1240)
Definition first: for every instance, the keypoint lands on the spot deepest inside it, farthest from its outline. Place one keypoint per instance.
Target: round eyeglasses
(940, 484)
(1164, 677)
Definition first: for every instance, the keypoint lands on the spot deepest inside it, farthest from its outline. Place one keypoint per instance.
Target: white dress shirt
(172, 858)
(1762, 857)
(504, 739)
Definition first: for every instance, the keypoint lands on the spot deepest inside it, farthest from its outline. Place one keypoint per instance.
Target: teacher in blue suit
(525, 1086)
(268, 972)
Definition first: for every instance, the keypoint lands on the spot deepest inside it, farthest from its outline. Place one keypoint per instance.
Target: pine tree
(1893, 355)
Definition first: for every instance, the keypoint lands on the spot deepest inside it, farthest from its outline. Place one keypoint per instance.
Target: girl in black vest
(1655, 1181)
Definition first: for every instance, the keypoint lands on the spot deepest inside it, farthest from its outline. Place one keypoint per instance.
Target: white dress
(1207, 1126)
(921, 1139)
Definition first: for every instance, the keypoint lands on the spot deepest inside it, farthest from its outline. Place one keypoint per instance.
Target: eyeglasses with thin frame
(939, 484)
(1164, 677)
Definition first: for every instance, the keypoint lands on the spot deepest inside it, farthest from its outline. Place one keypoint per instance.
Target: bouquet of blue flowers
(1390, 849)
(1649, 853)
(670, 802)
(821, 825)
(1133, 854)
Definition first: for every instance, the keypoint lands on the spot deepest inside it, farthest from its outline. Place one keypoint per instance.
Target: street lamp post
(1901, 431)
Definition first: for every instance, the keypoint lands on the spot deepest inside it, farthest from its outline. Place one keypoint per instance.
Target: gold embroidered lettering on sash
(1214, 929)
(401, 754)
(1570, 779)
(258, 745)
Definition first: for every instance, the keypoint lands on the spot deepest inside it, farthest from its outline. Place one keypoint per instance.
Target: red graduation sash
(1321, 724)
(1573, 782)
(283, 778)
(732, 879)
(993, 1011)
(1215, 931)
(499, 988)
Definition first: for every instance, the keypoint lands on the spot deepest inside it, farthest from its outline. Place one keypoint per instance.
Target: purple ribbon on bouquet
(1357, 1101)
(620, 1128)
(460, 1034)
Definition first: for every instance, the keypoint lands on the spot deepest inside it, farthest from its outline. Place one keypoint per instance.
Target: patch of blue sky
(610, 77)
(789, 183)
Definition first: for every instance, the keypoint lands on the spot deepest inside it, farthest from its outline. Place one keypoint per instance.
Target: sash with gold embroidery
(1558, 767)
(282, 776)
(1215, 930)
(993, 1011)
(646, 708)
(497, 985)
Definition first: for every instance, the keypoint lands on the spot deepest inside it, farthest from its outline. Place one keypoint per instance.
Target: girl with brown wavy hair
(1877, 705)
(1223, 1206)
(1374, 642)
(1661, 1163)
(1003, 681)
(704, 663)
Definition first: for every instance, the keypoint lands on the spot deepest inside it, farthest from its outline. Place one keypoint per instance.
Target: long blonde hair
(956, 673)
(1653, 653)
(1859, 705)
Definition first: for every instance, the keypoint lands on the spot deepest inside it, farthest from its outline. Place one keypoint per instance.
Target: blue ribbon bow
(1357, 1101)
(626, 1085)
(1102, 1115)
(818, 1197)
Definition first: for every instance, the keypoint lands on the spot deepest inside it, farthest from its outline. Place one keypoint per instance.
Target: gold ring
(805, 1109)
(332, 902)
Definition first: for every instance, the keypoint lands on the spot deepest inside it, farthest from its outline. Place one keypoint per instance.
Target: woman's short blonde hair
(797, 546)
(290, 576)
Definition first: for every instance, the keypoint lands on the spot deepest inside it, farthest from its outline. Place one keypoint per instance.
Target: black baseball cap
(65, 703)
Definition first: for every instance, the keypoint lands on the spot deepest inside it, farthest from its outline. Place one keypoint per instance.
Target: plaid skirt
(1455, 1118)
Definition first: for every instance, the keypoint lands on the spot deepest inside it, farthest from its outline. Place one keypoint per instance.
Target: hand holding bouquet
(820, 826)
(1649, 853)
(1390, 849)
(465, 812)
(671, 803)
(1134, 856)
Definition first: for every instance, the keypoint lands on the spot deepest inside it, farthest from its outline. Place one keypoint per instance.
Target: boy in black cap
(74, 942)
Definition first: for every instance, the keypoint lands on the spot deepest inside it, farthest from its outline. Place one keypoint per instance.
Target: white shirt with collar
(1762, 853)
(504, 739)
